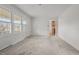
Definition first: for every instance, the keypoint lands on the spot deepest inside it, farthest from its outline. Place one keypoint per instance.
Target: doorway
(53, 28)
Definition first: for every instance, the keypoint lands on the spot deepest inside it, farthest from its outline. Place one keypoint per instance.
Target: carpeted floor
(40, 45)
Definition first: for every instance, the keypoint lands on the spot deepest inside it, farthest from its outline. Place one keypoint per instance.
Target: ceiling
(43, 10)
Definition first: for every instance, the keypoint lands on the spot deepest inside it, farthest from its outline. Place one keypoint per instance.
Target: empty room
(39, 29)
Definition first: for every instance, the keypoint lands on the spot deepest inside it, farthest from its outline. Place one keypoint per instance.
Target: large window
(17, 23)
(10, 22)
(5, 20)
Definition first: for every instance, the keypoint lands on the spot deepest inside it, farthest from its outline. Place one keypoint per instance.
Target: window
(24, 25)
(5, 20)
(17, 23)
(8, 24)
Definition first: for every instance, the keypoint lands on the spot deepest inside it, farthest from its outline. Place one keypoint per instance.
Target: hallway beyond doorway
(41, 45)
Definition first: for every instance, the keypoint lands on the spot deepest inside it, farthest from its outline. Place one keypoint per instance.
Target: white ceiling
(43, 10)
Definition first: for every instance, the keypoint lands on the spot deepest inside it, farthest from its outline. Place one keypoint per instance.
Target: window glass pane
(24, 25)
(24, 22)
(17, 27)
(5, 20)
(17, 23)
(4, 13)
(24, 28)
(5, 27)
(17, 19)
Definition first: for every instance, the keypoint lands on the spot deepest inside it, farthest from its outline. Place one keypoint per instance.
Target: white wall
(40, 26)
(7, 39)
(69, 26)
